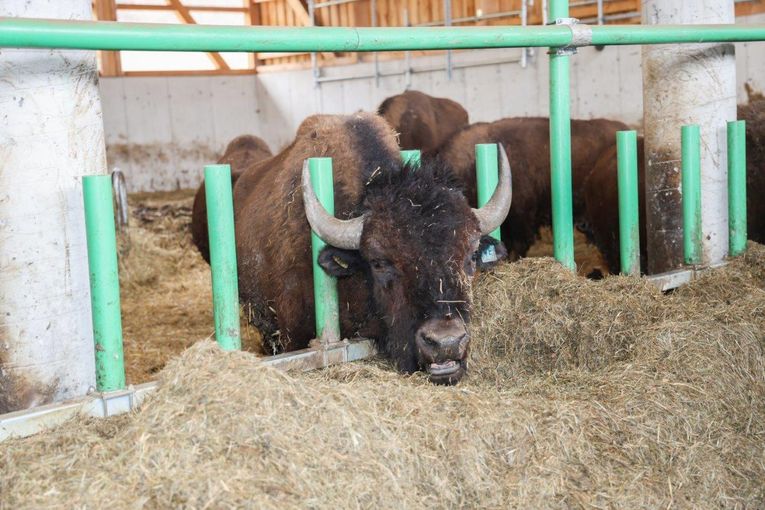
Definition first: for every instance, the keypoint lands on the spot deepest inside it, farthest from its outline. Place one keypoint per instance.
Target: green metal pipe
(560, 148)
(737, 187)
(104, 35)
(666, 34)
(629, 216)
(690, 147)
(487, 175)
(104, 282)
(411, 156)
(324, 286)
(220, 227)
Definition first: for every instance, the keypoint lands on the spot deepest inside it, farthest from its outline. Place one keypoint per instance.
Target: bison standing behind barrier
(527, 142)
(240, 153)
(403, 243)
(422, 122)
(601, 195)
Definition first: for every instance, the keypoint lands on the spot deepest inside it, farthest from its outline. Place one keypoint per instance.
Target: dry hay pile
(604, 394)
(165, 285)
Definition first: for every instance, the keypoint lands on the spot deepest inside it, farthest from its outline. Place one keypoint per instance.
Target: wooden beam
(111, 64)
(148, 7)
(185, 15)
(301, 14)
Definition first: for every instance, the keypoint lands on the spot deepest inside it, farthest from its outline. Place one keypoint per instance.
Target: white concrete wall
(161, 131)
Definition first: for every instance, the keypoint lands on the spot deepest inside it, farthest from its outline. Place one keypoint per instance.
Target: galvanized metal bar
(373, 21)
(101, 405)
(629, 215)
(104, 282)
(487, 176)
(524, 22)
(314, 57)
(737, 187)
(411, 156)
(220, 221)
(691, 190)
(324, 286)
(601, 20)
(560, 148)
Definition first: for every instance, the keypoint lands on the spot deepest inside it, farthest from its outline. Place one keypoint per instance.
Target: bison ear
(340, 263)
(490, 252)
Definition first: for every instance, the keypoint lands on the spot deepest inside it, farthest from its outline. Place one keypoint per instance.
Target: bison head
(418, 242)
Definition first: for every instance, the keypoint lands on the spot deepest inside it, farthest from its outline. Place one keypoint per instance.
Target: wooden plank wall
(390, 13)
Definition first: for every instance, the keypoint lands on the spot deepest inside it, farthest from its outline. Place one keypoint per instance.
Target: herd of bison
(405, 240)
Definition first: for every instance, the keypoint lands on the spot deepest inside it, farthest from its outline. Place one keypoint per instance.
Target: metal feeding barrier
(563, 37)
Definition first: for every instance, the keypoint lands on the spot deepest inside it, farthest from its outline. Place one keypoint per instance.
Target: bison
(241, 152)
(526, 140)
(404, 245)
(602, 200)
(423, 122)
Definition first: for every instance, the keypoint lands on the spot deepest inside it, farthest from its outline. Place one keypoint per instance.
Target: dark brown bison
(423, 122)
(403, 244)
(601, 199)
(241, 152)
(527, 142)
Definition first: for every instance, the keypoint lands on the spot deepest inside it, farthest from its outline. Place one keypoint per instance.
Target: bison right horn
(494, 212)
(345, 234)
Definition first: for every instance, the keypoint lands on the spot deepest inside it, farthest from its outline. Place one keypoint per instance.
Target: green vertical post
(560, 148)
(737, 187)
(629, 216)
(690, 147)
(324, 286)
(104, 282)
(220, 227)
(411, 156)
(487, 175)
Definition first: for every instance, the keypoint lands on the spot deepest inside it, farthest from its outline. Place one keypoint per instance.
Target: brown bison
(602, 199)
(423, 122)
(240, 153)
(527, 142)
(403, 244)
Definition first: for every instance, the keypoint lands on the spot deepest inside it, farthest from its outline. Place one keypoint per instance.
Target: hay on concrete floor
(600, 394)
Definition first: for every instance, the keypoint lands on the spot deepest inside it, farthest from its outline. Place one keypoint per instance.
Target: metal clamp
(581, 35)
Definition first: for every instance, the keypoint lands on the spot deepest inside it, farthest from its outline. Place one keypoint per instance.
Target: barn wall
(162, 130)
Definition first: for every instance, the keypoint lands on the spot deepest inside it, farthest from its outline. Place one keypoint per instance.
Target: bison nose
(440, 340)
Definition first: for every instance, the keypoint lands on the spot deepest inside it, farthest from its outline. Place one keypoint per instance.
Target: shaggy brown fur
(526, 141)
(423, 122)
(241, 152)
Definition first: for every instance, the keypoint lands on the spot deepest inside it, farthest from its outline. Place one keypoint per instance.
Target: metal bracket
(581, 35)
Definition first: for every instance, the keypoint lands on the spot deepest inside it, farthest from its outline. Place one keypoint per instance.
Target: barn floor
(582, 394)
(166, 293)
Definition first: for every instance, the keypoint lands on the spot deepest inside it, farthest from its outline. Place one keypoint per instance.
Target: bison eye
(379, 264)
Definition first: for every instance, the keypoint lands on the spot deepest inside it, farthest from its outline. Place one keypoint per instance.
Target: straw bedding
(604, 394)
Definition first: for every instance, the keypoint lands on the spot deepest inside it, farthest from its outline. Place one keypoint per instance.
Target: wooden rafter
(301, 14)
(111, 65)
(185, 15)
(154, 7)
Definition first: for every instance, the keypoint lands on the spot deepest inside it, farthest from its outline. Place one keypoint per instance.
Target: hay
(602, 394)
(165, 285)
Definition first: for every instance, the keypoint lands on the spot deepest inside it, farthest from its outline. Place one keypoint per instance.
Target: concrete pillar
(52, 134)
(686, 84)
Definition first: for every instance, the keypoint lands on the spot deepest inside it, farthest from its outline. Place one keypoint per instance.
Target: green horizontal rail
(104, 35)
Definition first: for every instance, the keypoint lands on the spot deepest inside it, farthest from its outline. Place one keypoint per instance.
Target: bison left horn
(345, 234)
(494, 212)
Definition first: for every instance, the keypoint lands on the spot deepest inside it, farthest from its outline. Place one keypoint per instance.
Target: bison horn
(345, 234)
(493, 213)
